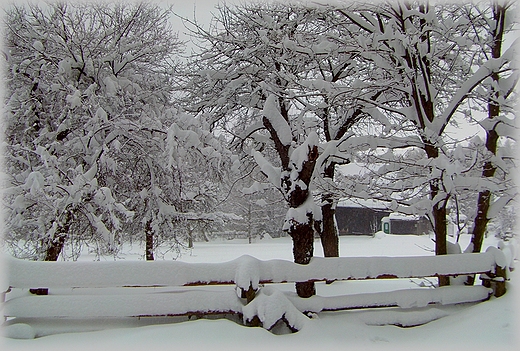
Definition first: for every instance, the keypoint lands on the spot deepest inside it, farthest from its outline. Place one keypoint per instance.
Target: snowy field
(488, 325)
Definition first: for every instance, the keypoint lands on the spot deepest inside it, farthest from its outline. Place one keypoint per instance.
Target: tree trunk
(249, 219)
(439, 212)
(440, 229)
(190, 237)
(302, 234)
(488, 170)
(481, 220)
(303, 247)
(149, 240)
(296, 190)
(423, 100)
(329, 231)
(55, 246)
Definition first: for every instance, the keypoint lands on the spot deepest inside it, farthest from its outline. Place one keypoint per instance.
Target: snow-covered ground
(490, 324)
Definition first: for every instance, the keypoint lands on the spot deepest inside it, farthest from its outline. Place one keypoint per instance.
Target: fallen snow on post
(509, 250)
(271, 305)
(247, 272)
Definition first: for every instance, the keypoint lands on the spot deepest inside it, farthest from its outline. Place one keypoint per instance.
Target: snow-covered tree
(89, 88)
(291, 77)
(503, 226)
(429, 56)
(500, 122)
(260, 208)
(244, 83)
(201, 165)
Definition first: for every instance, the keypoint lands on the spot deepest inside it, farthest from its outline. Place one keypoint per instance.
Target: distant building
(401, 224)
(366, 217)
(360, 217)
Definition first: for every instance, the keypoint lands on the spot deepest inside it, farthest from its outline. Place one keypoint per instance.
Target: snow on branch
(279, 124)
(272, 173)
(484, 71)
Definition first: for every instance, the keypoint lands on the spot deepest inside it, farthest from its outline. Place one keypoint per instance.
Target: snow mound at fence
(402, 318)
(19, 331)
(271, 305)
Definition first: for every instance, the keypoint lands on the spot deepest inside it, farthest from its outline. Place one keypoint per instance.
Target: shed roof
(369, 203)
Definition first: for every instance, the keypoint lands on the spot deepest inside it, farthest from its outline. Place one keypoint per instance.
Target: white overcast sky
(202, 10)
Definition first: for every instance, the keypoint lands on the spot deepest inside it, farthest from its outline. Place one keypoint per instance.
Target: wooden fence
(172, 288)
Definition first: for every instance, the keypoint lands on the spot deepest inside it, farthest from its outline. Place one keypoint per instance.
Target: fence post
(3, 298)
(249, 294)
(495, 280)
(499, 281)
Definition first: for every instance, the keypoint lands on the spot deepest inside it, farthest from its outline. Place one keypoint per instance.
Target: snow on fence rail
(261, 306)
(244, 271)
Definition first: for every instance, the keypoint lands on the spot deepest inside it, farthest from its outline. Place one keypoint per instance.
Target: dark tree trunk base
(470, 280)
(54, 248)
(329, 231)
(329, 235)
(303, 248)
(303, 243)
(149, 241)
(305, 289)
(444, 280)
(440, 229)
